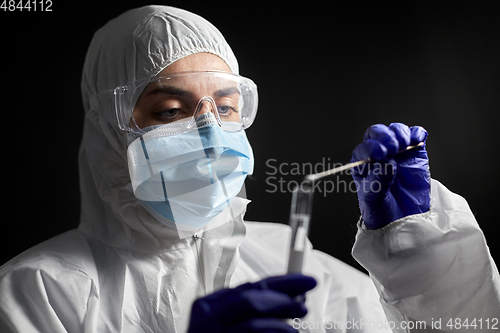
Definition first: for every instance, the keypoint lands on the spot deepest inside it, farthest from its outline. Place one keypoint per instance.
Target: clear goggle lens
(179, 99)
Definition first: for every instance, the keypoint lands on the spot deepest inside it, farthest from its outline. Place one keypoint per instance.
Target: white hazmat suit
(123, 271)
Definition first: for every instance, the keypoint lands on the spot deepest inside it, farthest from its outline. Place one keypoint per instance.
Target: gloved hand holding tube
(394, 184)
(252, 307)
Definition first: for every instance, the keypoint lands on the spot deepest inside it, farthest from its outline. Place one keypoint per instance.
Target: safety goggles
(179, 99)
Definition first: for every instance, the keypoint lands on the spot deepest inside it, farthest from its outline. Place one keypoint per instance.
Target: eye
(226, 110)
(168, 115)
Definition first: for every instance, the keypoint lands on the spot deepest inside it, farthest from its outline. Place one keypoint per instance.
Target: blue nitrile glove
(392, 186)
(252, 307)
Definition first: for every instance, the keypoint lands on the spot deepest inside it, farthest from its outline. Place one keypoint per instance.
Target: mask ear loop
(199, 106)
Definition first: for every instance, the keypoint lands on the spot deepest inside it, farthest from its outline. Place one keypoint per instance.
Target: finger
(370, 149)
(402, 133)
(385, 136)
(378, 182)
(418, 134)
(291, 284)
(262, 325)
(261, 303)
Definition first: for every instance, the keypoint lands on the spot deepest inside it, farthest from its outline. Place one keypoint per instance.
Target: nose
(206, 105)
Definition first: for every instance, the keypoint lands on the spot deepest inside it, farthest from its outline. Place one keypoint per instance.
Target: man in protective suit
(162, 245)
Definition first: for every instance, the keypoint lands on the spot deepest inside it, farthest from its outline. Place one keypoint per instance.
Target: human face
(167, 101)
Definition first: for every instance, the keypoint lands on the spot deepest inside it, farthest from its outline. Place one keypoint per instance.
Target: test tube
(300, 216)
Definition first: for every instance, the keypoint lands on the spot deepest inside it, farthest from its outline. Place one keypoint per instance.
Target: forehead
(192, 84)
(197, 62)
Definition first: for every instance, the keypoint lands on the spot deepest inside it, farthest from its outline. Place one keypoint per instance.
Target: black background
(325, 71)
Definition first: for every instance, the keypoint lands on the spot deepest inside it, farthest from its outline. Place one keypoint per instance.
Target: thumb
(380, 176)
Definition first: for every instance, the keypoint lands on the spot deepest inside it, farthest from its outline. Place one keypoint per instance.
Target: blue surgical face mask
(188, 179)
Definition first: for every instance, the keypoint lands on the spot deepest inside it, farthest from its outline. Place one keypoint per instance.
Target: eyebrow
(226, 92)
(169, 90)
